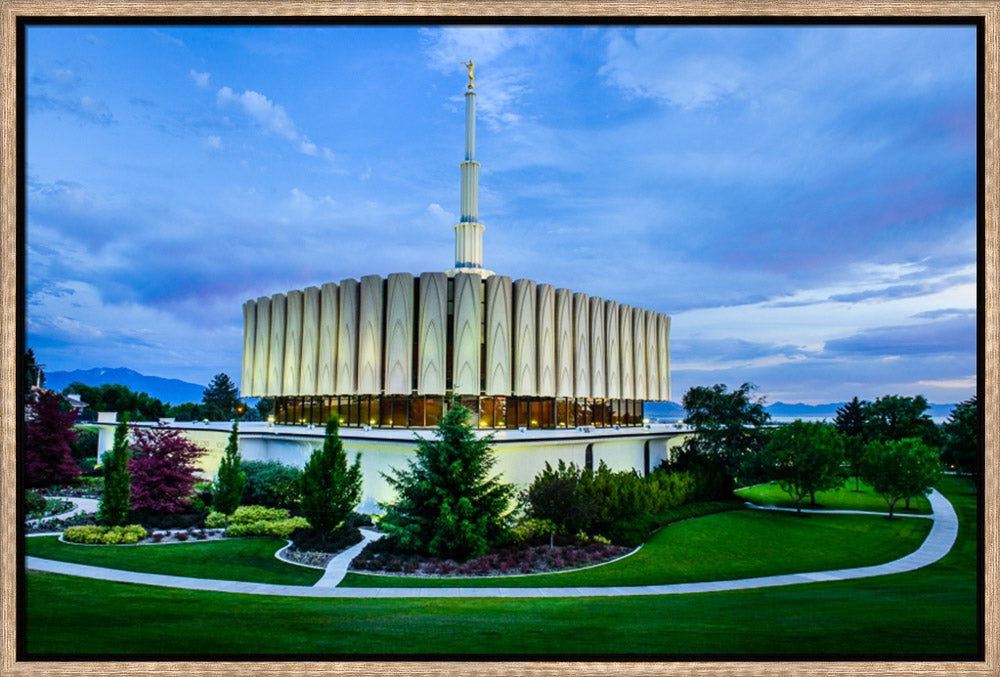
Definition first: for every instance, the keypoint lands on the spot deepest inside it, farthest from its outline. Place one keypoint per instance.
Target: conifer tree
(231, 481)
(116, 500)
(447, 504)
(330, 489)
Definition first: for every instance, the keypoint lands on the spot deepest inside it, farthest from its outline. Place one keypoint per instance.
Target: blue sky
(802, 200)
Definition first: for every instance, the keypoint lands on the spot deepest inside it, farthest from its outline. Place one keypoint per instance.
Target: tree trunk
(907, 502)
(812, 497)
(857, 484)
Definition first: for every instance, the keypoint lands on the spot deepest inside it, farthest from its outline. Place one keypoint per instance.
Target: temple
(392, 352)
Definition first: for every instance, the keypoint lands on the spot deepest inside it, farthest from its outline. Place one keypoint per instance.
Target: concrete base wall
(520, 456)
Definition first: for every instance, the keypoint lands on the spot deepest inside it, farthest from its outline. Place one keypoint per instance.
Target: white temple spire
(469, 232)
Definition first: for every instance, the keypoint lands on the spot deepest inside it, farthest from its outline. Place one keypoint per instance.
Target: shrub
(33, 502)
(248, 514)
(215, 520)
(277, 528)
(340, 538)
(104, 535)
(269, 483)
(116, 499)
(230, 482)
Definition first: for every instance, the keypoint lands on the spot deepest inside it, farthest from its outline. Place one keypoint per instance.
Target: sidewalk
(937, 544)
(79, 505)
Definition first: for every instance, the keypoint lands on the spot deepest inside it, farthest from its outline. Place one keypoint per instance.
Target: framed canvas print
(344, 338)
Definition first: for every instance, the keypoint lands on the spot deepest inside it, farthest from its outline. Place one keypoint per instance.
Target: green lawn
(237, 559)
(842, 498)
(929, 613)
(739, 544)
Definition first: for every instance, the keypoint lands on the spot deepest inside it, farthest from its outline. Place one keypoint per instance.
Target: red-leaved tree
(48, 435)
(163, 470)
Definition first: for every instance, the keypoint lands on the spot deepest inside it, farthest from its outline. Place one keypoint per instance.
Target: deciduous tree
(728, 428)
(49, 435)
(806, 458)
(330, 488)
(893, 417)
(447, 504)
(900, 469)
(164, 471)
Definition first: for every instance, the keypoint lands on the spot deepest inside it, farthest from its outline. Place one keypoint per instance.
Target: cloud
(272, 117)
(200, 79)
(167, 38)
(948, 337)
(85, 108)
(213, 142)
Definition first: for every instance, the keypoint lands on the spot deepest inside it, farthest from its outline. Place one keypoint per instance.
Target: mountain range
(167, 390)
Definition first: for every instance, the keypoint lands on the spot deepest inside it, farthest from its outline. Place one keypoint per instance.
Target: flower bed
(51, 525)
(309, 558)
(507, 562)
(53, 506)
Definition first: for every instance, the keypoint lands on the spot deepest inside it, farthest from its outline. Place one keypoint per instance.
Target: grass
(842, 498)
(724, 546)
(237, 559)
(928, 613)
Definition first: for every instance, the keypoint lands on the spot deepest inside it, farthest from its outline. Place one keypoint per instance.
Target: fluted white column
(545, 328)
(249, 339)
(310, 341)
(347, 338)
(524, 338)
(276, 358)
(432, 318)
(597, 347)
(581, 345)
(293, 343)
(329, 323)
(466, 331)
(262, 347)
(498, 336)
(399, 334)
(370, 336)
(564, 343)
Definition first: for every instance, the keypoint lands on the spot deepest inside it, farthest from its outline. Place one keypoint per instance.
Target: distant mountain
(783, 411)
(170, 390)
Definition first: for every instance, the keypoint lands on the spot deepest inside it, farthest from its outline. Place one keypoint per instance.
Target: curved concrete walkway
(939, 541)
(79, 505)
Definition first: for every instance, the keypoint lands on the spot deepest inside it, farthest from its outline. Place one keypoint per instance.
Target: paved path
(336, 568)
(79, 505)
(937, 544)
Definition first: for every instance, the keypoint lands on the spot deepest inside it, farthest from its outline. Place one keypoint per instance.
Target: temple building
(391, 352)
(550, 373)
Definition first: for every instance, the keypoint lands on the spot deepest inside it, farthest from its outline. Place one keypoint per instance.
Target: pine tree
(49, 435)
(231, 481)
(852, 422)
(447, 504)
(330, 489)
(115, 502)
(223, 394)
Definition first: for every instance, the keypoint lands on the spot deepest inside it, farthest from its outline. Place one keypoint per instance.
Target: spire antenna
(468, 231)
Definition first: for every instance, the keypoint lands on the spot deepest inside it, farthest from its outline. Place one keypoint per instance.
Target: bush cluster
(33, 502)
(507, 561)
(619, 505)
(309, 540)
(133, 533)
(271, 484)
(277, 528)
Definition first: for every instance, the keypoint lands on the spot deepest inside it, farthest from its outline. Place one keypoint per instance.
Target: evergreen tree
(447, 504)
(223, 394)
(231, 481)
(49, 435)
(961, 438)
(852, 422)
(115, 502)
(330, 489)
(33, 374)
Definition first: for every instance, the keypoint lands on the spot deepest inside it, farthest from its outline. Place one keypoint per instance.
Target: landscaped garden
(451, 517)
(930, 612)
